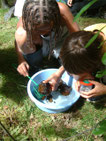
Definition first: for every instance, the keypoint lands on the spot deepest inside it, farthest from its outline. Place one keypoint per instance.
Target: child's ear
(101, 33)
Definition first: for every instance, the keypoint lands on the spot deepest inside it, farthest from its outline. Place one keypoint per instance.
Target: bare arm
(20, 37)
(19, 24)
(55, 78)
(67, 17)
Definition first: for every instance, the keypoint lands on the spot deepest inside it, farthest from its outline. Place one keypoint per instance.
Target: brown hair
(76, 58)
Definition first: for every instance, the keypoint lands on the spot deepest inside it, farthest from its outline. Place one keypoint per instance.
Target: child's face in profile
(82, 76)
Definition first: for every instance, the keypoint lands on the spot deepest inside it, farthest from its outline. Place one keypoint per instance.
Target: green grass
(18, 113)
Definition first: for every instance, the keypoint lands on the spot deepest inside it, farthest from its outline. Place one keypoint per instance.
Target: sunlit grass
(19, 114)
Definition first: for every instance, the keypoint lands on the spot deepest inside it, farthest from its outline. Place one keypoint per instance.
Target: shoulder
(67, 17)
(63, 8)
(20, 36)
(65, 13)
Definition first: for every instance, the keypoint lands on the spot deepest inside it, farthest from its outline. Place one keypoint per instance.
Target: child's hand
(53, 80)
(23, 68)
(77, 85)
(69, 3)
(99, 89)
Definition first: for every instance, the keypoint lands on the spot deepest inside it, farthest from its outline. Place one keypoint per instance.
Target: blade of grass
(84, 9)
(104, 59)
(101, 73)
(94, 38)
(102, 43)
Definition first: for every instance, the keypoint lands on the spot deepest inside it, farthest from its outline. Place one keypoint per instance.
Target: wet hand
(53, 80)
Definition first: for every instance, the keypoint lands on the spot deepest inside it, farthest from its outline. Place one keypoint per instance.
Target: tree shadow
(100, 104)
(13, 85)
(11, 81)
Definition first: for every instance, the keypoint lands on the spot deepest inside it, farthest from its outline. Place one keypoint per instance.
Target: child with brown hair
(83, 63)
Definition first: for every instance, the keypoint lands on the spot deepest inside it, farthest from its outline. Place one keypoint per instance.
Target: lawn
(23, 120)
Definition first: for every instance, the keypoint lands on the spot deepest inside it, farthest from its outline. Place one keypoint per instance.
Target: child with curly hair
(41, 32)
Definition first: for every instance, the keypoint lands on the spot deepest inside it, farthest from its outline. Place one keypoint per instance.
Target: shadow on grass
(13, 85)
(101, 104)
(55, 131)
(11, 81)
(77, 106)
